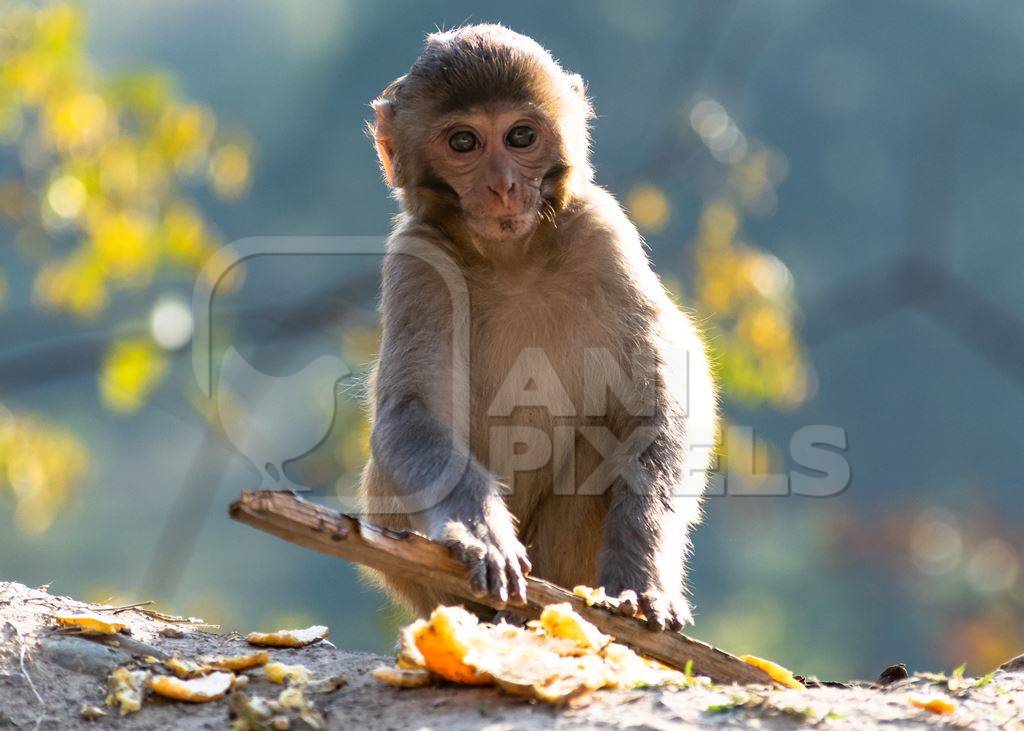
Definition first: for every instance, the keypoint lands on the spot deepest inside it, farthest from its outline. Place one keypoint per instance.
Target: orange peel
(559, 620)
(278, 672)
(938, 704)
(184, 668)
(401, 677)
(127, 689)
(445, 640)
(775, 671)
(91, 622)
(554, 660)
(591, 596)
(195, 690)
(237, 663)
(289, 637)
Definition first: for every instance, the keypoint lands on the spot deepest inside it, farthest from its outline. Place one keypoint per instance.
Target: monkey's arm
(449, 495)
(662, 461)
(646, 533)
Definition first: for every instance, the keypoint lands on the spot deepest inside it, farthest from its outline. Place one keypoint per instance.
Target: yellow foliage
(747, 298)
(129, 372)
(229, 170)
(109, 158)
(76, 120)
(185, 237)
(115, 154)
(123, 245)
(649, 207)
(38, 464)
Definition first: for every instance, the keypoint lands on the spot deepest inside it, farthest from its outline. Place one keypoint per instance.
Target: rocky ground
(47, 677)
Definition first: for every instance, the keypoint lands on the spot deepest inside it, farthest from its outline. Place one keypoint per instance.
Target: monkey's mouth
(504, 228)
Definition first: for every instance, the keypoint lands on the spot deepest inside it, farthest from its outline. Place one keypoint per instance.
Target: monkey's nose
(503, 191)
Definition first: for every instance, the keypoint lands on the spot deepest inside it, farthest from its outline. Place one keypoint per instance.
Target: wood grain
(411, 555)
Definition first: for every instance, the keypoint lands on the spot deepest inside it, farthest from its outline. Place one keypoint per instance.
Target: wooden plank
(411, 555)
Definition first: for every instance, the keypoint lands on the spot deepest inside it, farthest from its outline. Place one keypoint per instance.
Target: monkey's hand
(662, 610)
(495, 560)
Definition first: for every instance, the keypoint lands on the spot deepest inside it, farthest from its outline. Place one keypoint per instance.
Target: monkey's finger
(681, 615)
(472, 556)
(478, 578)
(497, 581)
(516, 584)
(674, 622)
(524, 564)
(628, 603)
(655, 611)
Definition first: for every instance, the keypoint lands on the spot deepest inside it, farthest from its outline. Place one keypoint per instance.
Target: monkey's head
(486, 135)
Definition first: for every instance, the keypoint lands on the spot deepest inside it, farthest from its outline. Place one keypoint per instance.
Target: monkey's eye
(520, 136)
(462, 141)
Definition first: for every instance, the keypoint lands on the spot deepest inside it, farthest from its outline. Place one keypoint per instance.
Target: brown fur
(579, 279)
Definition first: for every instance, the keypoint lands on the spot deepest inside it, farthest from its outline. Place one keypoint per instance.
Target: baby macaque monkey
(540, 405)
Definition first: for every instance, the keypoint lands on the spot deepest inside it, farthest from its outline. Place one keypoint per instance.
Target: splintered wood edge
(414, 556)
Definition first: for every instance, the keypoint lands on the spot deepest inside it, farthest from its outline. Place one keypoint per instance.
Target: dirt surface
(47, 677)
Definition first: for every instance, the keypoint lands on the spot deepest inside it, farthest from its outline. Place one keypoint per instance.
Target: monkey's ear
(382, 130)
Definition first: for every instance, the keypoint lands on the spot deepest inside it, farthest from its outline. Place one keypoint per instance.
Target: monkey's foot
(661, 610)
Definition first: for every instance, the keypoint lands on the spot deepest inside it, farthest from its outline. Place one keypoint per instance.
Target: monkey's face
(495, 160)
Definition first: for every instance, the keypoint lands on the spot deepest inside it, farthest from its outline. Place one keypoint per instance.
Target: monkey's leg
(564, 538)
(420, 600)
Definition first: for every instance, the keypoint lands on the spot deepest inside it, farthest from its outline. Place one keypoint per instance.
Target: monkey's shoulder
(419, 257)
(594, 231)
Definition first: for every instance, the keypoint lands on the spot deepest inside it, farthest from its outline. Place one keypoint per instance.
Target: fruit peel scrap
(444, 642)
(591, 596)
(236, 663)
(408, 655)
(288, 638)
(559, 620)
(775, 671)
(278, 672)
(91, 622)
(127, 689)
(937, 704)
(185, 668)
(402, 677)
(195, 690)
(554, 661)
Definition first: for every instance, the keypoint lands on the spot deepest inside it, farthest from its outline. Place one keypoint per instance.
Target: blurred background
(833, 188)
